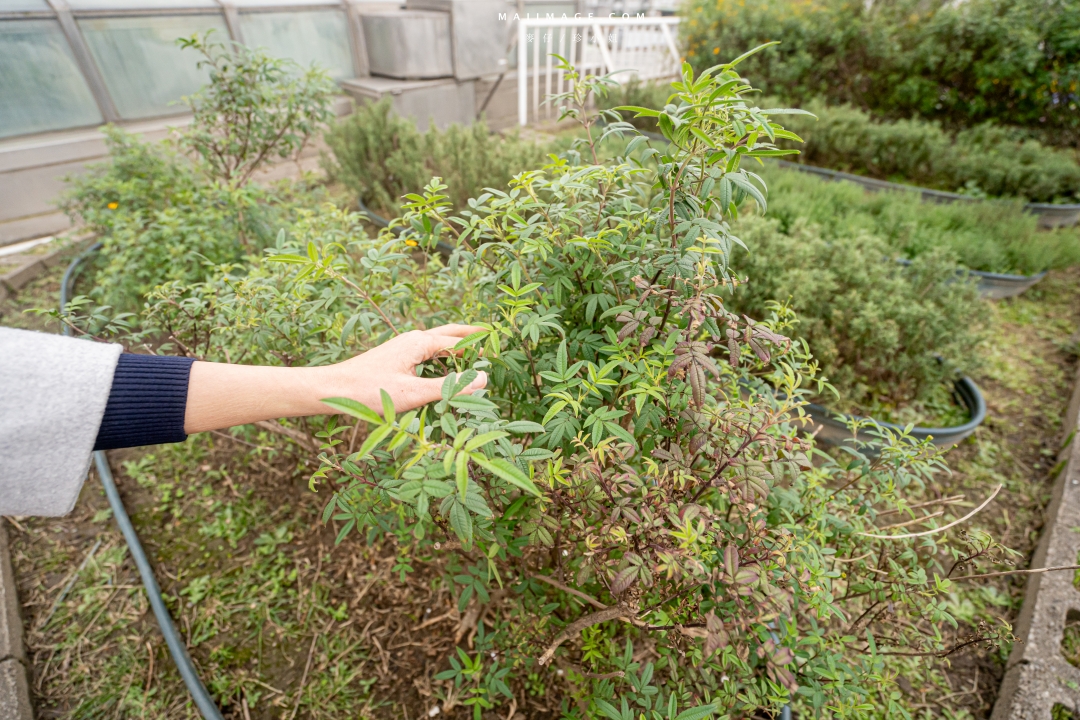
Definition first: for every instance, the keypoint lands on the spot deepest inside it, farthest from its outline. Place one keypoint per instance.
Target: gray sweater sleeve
(53, 392)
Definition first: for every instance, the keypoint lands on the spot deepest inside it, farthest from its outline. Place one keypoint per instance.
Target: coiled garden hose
(177, 648)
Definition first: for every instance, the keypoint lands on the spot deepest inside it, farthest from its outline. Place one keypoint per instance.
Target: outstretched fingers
(440, 341)
(458, 331)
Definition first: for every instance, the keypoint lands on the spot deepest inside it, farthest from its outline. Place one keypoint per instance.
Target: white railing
(641, 47)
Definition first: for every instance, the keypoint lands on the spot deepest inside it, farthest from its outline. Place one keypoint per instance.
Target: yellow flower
(410, 243)
(113, 206)
(716, 51)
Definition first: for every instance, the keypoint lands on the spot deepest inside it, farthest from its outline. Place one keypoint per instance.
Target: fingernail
(480, 381)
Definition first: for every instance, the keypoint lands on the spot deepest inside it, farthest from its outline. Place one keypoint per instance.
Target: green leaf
(387, 405)
(484, 439)
(507, 471)
(641, 111)
(289, 258)
(448, 386)
(748, 53)
(461, 522)
(619, 432)
(373, 440)
(461, 463)
(607, 709)
(354, 408)
(771, 153)
(553, 411)
(701, 711)
(329, 510)
(344, 531)
(471, 402)
(470, 340)
(535, 454)
(703, 137)
(523, 426)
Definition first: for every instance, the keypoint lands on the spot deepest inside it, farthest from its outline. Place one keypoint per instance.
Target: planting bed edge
(1037, 676)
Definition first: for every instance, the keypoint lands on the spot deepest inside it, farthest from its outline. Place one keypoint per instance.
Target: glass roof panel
(42, 86)
(145, 71)
(251, 4)
(311, 36)
(24, 6)
(141, 4)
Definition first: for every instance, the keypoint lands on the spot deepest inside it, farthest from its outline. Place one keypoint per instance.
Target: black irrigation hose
(177, 648)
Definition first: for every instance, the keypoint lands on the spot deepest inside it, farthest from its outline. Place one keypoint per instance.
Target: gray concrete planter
(1050, 215)
(832, 429)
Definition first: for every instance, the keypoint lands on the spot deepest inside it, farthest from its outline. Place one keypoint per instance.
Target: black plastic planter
(1054, 216)
(832, 428)
(1049, 215)
(996, 285)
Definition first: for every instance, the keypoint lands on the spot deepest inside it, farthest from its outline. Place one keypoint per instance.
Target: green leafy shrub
(991, 236)
(158, 219)
(164, 216)
(631, 458)
(255, 107)
(986, 160)
(890, 338)
(636, 93)
(1014, 62)
(381, 157)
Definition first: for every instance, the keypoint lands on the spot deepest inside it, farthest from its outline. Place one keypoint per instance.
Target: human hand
(222, 395)
(392, 367)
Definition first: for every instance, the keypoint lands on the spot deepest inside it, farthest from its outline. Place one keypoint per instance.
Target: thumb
(477, 384)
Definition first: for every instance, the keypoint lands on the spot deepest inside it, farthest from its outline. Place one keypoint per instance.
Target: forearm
(157, 399)
(222, 395)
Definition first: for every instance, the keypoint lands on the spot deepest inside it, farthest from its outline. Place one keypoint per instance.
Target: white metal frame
(641, 47)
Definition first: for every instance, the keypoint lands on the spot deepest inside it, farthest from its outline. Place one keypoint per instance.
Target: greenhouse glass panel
(144, 69)
(281, 3)
(41, 86)
(24, 6)
(311, 36)
(140, 4)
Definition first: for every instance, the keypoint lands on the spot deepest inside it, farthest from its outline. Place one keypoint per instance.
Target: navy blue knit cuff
(146, 403)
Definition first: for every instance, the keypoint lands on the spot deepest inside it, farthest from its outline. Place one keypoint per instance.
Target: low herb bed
(380, 157)
(892, 339)
(985, 161)
(991, 237)
(998, 237)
